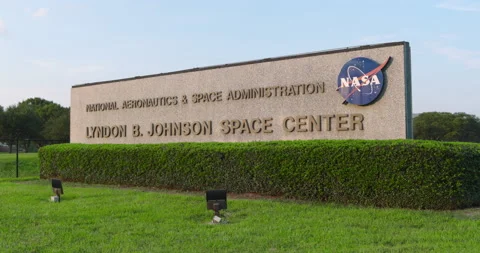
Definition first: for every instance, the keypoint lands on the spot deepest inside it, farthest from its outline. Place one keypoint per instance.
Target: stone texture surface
(384, 119)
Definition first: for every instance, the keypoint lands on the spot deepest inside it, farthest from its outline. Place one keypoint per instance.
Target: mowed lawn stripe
(109, 219)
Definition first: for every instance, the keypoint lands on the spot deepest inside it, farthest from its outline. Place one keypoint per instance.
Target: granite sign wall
(353, 93)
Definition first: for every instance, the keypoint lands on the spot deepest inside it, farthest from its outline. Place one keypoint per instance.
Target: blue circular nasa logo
(361, 81)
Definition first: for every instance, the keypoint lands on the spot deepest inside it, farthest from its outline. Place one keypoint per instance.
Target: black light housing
(57, 187)
(216, 200)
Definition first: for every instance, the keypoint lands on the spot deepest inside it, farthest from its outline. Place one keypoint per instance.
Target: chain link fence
(19, 158)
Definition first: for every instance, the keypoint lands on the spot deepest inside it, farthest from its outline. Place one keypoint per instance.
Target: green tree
(44, 109)
(58, 128)
(34, 119)
(54, 119)
(20, 123)
(445, 126)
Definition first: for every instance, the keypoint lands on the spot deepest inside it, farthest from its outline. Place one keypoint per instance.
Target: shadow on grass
(467, 214)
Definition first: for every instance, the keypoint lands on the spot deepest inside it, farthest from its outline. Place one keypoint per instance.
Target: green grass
(28, 165)
(109, 219)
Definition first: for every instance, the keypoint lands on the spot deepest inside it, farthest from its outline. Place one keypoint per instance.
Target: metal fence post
(17, 157)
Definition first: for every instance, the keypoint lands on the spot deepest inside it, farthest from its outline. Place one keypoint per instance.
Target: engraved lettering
(342, 121)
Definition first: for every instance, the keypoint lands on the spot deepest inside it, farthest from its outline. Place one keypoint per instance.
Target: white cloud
(40, 12)
(47, 64)
(371, 39)
(58, 66)
(448, 36)
(3, 29)
(469, 58)
(86, 69)
(459, 5)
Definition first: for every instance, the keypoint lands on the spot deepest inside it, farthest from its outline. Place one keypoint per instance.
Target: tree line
(34, 120)
(445, 126)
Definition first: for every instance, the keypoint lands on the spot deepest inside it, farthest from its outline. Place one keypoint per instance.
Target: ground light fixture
(57, 189)
(216, 201)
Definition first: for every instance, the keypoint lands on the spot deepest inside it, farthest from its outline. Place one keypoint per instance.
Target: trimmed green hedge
(399, 173)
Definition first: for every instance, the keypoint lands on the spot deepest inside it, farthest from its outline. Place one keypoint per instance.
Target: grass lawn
(28, 165)
(109, 219)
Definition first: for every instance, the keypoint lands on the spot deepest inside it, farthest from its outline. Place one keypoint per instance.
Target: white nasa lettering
(365, 80)
(355, 82)
(345, 83)
(375, 80)
(359, 82)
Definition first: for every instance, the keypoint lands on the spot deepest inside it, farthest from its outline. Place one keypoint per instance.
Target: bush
(399, 173)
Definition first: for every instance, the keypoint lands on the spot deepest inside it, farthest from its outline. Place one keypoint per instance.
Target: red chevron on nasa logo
(361, 81)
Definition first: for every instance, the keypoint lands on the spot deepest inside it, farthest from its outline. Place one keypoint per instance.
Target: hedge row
(399, 173)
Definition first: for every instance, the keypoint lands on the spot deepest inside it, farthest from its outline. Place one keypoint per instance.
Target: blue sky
(48, 46)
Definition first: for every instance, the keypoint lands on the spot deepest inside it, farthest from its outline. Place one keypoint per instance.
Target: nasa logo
(360, 81)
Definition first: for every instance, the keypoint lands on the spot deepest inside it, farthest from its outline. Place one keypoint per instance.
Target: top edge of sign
(331, 51)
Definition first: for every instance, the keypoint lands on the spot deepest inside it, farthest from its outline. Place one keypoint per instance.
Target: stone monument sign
(352, 93)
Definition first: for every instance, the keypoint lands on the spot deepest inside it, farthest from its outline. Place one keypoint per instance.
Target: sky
(48, 46)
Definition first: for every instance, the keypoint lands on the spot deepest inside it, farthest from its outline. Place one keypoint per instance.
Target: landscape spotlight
(57, 188)
(216, 200)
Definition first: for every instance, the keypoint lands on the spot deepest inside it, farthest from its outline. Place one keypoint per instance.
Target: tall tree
(44, 109)
(445, 126)
(58, 128)
(29, 119)
(20, 123)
